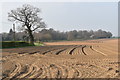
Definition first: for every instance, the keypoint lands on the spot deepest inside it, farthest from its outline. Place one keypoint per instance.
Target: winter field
(65, 59)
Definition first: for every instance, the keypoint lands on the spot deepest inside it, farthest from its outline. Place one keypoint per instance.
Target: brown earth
(66, 59)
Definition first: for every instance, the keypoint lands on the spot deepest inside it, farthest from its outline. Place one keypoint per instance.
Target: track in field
(53, 50)
(81, 70)
(35, 68)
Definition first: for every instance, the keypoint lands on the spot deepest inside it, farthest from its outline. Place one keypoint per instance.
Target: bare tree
(28, 17)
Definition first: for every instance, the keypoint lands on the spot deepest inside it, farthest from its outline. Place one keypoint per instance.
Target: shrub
(13, 44)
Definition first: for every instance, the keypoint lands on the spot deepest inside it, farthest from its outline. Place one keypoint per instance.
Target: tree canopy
(53, 35)
(29, 19)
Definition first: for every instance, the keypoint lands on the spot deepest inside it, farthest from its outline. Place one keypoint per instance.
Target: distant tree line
(53, 35)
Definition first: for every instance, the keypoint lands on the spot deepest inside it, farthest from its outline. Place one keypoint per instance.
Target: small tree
(28, 17)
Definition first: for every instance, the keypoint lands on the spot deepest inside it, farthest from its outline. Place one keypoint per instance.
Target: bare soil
(66, 59)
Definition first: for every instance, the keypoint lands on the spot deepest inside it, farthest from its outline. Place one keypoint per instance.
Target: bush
(12, 44)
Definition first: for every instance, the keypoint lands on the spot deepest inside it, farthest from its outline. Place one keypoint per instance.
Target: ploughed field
(67, 59)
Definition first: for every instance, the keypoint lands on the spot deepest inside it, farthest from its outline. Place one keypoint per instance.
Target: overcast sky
(65, 16)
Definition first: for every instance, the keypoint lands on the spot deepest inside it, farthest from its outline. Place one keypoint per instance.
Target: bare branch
(27, 15)
(40, 25)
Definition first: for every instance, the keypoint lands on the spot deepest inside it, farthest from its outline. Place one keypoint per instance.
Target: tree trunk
(31, 37)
